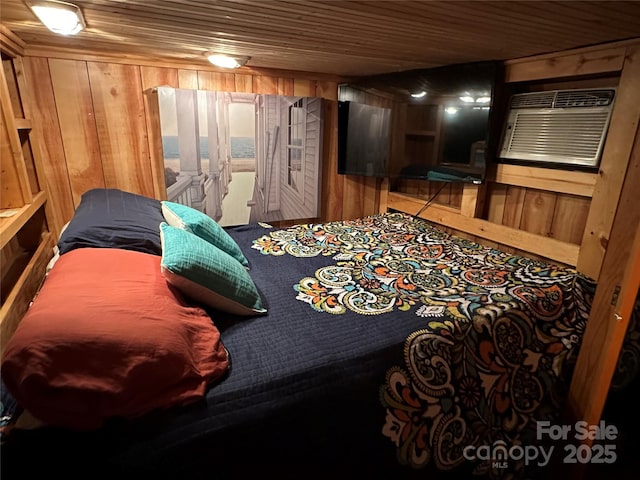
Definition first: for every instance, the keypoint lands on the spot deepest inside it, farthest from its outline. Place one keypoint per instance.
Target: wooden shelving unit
(26, 241)
(10, 226)
(422, 134)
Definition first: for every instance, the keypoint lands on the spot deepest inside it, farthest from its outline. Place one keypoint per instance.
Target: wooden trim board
(561, 181)
(613, 167)
(544, 246)
(154, 137)
(11, 225)
(612, 304)
(570, 65)
(10, 43)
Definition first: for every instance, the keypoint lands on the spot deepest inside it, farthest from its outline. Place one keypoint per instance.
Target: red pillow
(107, 337)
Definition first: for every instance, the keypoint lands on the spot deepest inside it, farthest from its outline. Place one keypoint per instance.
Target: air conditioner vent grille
(583, 98)
(533, 100)
(566, 134)
(563, 99)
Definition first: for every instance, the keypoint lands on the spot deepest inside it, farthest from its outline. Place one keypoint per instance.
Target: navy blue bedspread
(313, 383)
(295, 369)
(297, 376)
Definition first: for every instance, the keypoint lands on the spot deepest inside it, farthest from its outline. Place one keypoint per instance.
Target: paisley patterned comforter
(499, 338)
(387, 348)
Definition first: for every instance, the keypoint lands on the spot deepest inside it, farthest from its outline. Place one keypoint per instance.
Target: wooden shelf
(9, 226)
(421, 133)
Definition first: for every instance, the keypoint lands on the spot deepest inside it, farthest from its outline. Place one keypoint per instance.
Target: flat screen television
(444, 127)
(363, 139)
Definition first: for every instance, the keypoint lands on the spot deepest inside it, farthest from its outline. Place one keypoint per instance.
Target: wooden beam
(154, 137)
(612, 304)
(561, 181)
(10, 43)
(576, 51)
(23, 90)
(448, 217)
(23, 123)
(15, 145)
(472, 199)
(613, 166)
(587, 63)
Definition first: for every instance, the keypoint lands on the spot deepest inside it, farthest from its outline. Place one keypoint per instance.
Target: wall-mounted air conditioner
(558, 127)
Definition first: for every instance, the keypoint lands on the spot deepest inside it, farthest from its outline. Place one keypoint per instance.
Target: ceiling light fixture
(226, 61)
(419, 94)
(467, 98)
(59, 17)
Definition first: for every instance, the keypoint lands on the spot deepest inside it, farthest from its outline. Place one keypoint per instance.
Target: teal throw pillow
(206, 274)
(194, 221)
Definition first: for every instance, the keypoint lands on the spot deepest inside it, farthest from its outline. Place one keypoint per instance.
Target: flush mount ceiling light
(226, 61)
(59, 17)
(480, 98)
(419, 94)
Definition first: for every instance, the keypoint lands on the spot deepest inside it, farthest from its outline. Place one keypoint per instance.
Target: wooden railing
(180, 192)
(213, 198)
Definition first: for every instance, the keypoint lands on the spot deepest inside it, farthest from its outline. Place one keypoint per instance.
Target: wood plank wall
(97, 131)
(554, 215)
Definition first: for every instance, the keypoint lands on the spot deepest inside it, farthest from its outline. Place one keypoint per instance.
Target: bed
(378, 345)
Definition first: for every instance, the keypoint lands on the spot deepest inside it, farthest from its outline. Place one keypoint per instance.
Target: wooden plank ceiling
(335, 37)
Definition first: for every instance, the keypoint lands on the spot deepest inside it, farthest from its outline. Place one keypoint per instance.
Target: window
(295, 145)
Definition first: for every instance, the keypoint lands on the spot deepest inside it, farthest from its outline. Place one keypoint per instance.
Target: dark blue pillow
(111, 218)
